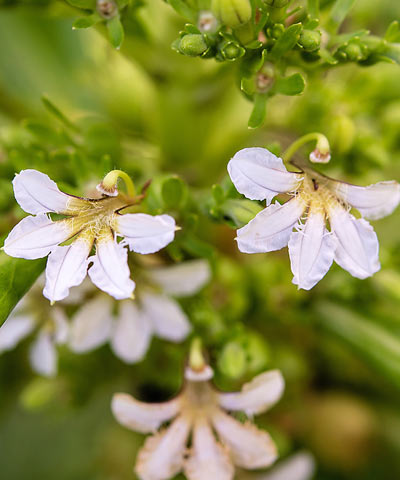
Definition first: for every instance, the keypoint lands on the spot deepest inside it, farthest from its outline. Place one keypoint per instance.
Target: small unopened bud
(207, 22)
(276, 31)
(277, 3)
(232, 51)
(232, 13)
(107, 8)
(322, 151)
(193, 45)
(310, 40)
(353, 51)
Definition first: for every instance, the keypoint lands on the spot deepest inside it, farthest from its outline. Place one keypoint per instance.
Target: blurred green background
(155, 113)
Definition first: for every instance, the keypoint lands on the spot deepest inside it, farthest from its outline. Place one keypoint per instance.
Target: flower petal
(91, 325)
(167, 317)
(43, 355)
(35, 237)
(162, 454)
(256, 396)
(182, 279)
(14, 329)
(37, 193)
(374, 201)
(300, 466)
(259, 174)
(132, 333)
(311, 251)
(208, 459)
(357, 247)
(146, 233)
(66, 267)
(271, 228)
(110, 271)
(140, 416)
(249, 446)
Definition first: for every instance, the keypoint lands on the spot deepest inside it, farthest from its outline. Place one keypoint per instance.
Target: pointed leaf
(313, 8)
(257, 116)
(86, 22)
(338, 13)
(286, 41)
(115, 32)
(184, 10)
(393, 32)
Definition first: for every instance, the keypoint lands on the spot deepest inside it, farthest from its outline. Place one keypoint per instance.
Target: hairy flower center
(316, 193)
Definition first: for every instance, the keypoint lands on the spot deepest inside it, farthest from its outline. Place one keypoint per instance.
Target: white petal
(271, 228)
(66, 267)
(35, 237)
(36, 193)
(43, 355)
(61, 325)
(168, 319)
(91, 325)
(140, 416)
(208, 459)
(132, 333)
(110, 271)
(297, 467)
(162, 454)
(311, 251)
(146, 233)
(259, 174)
(374, 201)
(357, 247)
(183, 279)
(249, 446)
(14, 329)
(256, 396)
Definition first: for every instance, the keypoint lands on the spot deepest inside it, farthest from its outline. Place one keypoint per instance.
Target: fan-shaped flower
(50, 326)
(129, 325)
(300, 223)
(87, 223)
(199, 411)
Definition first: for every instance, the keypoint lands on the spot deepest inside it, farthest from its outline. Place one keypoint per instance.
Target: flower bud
(232, 13)
(239, 211)
(107, 8)
(277, 3)
(310, 40)
(353, 51)
(232, 50)
(192, 44)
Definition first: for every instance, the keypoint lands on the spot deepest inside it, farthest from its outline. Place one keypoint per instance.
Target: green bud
(240, 212)
(310, 40)
(353, 51)
(232, 13)
(232, 51)
(232, 360)
(277, 3)
(193, 45)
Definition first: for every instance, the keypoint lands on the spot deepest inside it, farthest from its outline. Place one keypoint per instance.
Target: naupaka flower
(199, 412)
(301, 222)
(88, 223)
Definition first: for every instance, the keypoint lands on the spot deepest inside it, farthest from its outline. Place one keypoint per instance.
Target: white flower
(351, 242)
(198, 413)
(87, 222)
(300, 466)
(130, 325)
(51, 331)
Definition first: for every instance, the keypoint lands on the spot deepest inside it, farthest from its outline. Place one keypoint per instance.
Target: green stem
(322, 145)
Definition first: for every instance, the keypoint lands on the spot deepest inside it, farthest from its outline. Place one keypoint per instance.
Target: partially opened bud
(193, 45)
(232, 13)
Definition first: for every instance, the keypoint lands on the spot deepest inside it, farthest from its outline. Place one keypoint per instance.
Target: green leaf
(338, 13)
(54, 110)
(313, 8)
(293, 85)
(86, 22)
(392, 53)
(115, 32)
(286, 41)
(393, 32)
(16, 278)
(86, 4)
(257, 116)
(173, 191)
(379, 347)
(184, 10)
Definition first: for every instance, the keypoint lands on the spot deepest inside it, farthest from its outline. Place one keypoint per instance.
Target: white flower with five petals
(88, 223)
(129, 325)
(300, 223)
(51, 330)
(198, 412)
